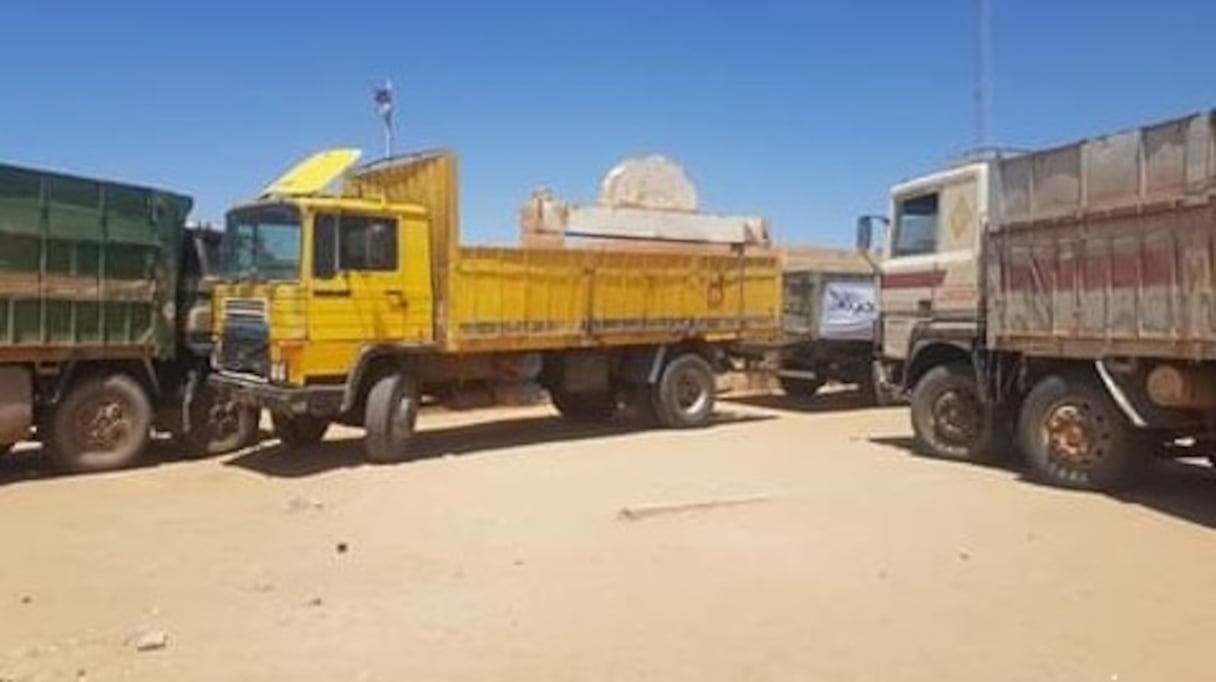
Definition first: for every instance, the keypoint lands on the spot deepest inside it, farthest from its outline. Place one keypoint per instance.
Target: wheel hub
(1072, 436)
(224, 418)
(956, 418)
(689, 393)
(103, 424)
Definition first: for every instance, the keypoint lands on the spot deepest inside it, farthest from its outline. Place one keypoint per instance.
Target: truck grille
(245, 344)
(245, 310)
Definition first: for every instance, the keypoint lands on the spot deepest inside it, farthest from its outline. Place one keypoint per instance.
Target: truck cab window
(797, 294)
(325, 246)
(916, 227)
(353, 243)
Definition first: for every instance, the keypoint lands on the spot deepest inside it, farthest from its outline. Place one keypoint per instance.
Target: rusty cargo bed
(1108, 247)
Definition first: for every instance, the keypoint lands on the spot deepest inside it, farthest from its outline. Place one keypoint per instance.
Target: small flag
(382, 96)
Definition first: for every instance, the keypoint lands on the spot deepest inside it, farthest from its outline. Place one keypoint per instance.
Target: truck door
(358, 284)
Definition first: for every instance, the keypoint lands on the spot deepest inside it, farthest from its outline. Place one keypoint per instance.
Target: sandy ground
(504, 555)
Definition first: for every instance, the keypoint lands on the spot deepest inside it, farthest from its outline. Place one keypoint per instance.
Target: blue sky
(805, 112)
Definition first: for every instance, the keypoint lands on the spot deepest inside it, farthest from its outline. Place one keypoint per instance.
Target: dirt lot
(504, 554)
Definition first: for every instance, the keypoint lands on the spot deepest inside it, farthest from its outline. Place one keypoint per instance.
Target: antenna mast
(983, 76)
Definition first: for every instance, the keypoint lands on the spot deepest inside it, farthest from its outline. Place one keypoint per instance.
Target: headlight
(278, 371)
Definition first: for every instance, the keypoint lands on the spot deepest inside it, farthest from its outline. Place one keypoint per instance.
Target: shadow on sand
(1184, 489)
(272, 459)
(828, 401)
(28, 462)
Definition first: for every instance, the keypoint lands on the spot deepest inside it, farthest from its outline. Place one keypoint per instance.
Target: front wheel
(949, 418)
(238, 428)
(103, 423)
(221, 424)
(392, 411)
(299, 430)
(1074, 437)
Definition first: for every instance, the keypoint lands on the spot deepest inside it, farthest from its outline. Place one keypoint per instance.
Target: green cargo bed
(87, 267)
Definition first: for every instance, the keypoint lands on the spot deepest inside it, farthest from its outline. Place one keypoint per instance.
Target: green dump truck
(103, 335)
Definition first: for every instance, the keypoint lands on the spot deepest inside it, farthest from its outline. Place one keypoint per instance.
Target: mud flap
(16, 404)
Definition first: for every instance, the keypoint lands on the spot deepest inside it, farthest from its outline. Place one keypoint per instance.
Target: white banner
(848, 311)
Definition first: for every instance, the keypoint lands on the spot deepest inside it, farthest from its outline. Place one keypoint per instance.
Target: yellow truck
(346, 297)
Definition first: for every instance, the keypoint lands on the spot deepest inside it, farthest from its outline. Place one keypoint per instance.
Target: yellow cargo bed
(524, 299)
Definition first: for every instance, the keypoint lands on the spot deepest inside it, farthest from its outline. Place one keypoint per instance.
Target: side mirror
(865, 231)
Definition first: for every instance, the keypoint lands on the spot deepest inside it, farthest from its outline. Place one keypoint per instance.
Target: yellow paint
(448, 299)
(314, 174)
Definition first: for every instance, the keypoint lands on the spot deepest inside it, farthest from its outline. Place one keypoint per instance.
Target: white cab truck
(1059, 303)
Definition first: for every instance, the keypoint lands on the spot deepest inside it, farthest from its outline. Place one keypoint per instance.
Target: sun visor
(314, 174)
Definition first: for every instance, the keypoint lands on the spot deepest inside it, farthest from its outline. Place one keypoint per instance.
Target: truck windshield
(263, 242)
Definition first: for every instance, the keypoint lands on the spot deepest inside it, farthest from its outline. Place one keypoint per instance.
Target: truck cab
(929, 271)
(310, 278)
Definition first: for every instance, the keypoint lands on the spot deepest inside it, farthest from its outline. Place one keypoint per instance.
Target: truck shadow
(272, 459)
(828, 401)
(27, 463)
(1182, 489)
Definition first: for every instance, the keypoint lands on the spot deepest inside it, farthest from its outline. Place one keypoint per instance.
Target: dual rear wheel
(104, 422)
(683, 397)
(1068, 429)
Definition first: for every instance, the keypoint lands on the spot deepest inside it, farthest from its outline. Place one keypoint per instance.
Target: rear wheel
(392, 412)
(949, 418)
(103, 423)
(299, 430)
(585, 407)
(686, 393)
(1074, 436)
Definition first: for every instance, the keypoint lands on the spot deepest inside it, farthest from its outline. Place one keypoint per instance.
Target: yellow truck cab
(346, 297)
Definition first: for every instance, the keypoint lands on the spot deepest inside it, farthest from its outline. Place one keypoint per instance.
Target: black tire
(872, 393)
(221, 425)
(238, 430)
(103, 423)
(1074, 436)
(389, 419)
(585, 407)
(949, 419)
(686, 393)
(799, 388)
(299, 430)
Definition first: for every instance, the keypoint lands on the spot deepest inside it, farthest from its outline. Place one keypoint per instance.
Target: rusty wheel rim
(1075, 435)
